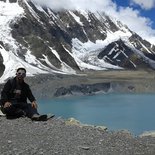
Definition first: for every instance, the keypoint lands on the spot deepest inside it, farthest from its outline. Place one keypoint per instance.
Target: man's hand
(34, 104)
(7, 104)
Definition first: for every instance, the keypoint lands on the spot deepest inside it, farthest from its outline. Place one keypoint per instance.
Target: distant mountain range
(46, 41)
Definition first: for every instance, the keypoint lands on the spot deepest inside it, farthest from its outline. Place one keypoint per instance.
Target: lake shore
(45, 86)
(56, 136)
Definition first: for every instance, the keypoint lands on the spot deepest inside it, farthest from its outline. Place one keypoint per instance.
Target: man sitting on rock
(14, 99)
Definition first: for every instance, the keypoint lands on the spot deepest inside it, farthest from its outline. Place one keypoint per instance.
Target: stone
(148, 133)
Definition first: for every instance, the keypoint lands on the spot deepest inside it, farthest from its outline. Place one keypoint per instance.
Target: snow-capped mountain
(46, 41)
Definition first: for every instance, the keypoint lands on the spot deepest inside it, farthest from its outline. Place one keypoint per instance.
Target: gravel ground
(56, 137)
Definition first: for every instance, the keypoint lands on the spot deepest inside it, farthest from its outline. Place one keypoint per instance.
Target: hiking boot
(50, 116)
(37, 117)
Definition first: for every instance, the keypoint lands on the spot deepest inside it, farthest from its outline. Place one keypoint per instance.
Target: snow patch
(85, 54)
(77, 19)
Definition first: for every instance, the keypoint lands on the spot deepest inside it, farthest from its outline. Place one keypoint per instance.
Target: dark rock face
(12, 1)
(1, 44)
(62, 91)
(117, 53)
(2, 67)
(84, 89)
(138, 41)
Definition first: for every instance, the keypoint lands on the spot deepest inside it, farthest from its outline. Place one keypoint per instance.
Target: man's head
(21, 73)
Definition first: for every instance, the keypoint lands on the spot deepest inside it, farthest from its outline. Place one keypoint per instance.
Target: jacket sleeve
(30, 95)
(5, 92)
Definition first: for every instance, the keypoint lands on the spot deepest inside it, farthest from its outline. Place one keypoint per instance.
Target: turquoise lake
(134, 112)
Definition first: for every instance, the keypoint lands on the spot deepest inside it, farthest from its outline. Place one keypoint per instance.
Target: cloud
(92, 5)
(140, 25)
(145, 4)
(127, 15)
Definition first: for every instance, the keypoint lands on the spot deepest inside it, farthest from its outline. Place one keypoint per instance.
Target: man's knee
(12, 111)
(8, 110)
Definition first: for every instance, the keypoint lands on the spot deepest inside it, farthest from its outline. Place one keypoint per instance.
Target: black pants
(20, 109)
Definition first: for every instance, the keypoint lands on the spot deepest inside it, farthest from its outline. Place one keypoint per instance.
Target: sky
(138, 15)
(146, 8)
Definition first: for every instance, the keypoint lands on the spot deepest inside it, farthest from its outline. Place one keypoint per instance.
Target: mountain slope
(45, 41)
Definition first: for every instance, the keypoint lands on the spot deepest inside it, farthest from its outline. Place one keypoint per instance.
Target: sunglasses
(21, 74)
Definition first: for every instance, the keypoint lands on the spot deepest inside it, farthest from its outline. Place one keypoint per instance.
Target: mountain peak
(46, 41)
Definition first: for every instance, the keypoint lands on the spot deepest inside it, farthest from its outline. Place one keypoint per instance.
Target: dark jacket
(7, 93)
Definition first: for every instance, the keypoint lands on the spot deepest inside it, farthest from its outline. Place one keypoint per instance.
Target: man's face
(21, 74)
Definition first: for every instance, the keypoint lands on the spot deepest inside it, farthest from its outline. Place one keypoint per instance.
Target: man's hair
(21, 69)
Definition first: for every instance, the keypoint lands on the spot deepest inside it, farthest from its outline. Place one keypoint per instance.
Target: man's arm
(5, 93)
(31, 97)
